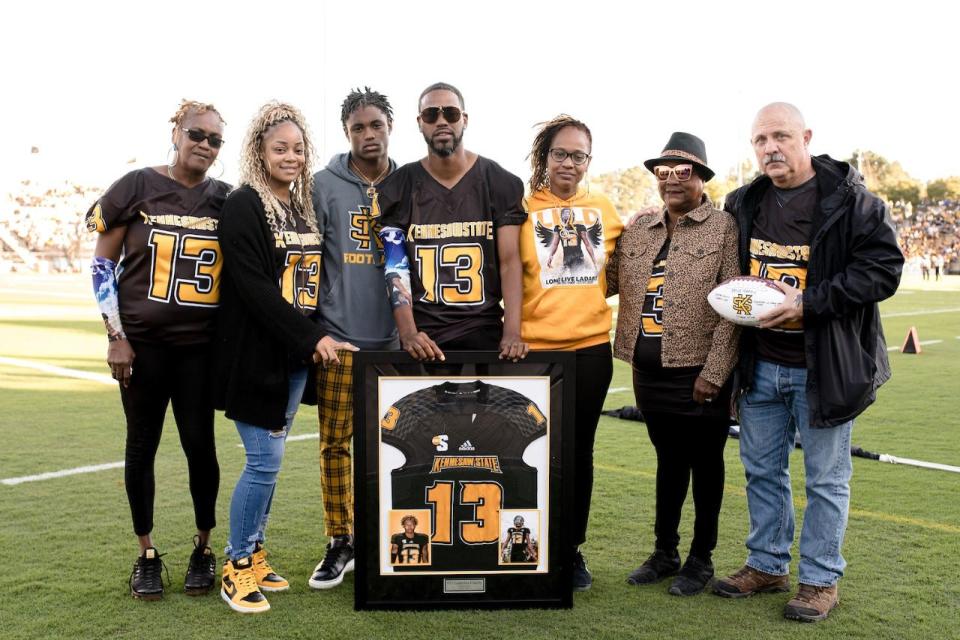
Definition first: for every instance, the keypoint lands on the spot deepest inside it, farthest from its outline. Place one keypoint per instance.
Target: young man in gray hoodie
(353, 306)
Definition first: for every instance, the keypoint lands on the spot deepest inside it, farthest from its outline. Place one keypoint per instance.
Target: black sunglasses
(431, 114)
(212, 139)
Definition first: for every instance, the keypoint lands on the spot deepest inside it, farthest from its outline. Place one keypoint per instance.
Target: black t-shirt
(463, 448)
(450, 238)
(646, 354)
(658, 388)
(780, 250)
(409, 550)
(168, 277)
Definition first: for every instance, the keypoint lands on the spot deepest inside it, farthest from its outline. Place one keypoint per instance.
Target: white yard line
(922, 343)
(59, 371)
(922, 312)
(48, 294)
(617, 390)
(49, 475)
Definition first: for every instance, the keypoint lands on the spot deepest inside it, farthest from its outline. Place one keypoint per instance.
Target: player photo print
(406, 546)
(520, 537)
(570, 245)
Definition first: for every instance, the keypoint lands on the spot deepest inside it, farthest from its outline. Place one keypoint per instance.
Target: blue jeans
(771, 414)
(253, 495)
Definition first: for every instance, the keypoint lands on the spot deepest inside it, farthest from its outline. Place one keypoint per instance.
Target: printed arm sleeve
(103, 271)
(242, 256)
(396, 266)
(726, 335)
(392, 218)
(873, 268)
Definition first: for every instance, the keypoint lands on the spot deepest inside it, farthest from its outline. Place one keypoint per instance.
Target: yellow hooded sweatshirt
(564, 246)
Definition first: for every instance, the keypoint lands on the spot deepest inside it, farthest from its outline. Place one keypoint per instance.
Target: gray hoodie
(353, 298)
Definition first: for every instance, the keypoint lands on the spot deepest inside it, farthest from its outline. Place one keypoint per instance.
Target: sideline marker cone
(911, 344)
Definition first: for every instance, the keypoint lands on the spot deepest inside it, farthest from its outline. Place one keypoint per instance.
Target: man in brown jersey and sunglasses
(450, 225)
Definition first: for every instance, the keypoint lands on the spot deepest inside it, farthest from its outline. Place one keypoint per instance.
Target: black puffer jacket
(855, 263)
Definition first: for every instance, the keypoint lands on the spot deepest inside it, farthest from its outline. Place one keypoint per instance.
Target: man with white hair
(816, 361)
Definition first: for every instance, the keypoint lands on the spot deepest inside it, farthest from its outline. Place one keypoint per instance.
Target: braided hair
(541, 147)
(254, 171)
(357, 99)
(186, 106)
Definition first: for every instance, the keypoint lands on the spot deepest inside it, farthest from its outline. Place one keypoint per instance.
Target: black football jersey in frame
(463, 445)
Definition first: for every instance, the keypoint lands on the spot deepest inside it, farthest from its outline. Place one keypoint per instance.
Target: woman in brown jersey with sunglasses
(156, 276)
(682, 352)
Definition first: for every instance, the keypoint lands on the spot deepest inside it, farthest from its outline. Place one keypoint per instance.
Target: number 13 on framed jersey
(459, 449)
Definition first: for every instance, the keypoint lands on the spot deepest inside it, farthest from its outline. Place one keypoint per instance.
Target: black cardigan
(259, 333)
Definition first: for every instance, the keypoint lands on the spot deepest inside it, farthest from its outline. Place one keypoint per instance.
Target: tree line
(635, 188)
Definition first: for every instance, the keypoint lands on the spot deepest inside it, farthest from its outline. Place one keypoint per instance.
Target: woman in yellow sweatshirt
(564, 244)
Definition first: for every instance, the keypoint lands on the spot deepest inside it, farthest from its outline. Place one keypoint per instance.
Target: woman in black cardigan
(267, 341)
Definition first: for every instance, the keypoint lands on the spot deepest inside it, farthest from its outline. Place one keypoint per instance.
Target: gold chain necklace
(371, 189)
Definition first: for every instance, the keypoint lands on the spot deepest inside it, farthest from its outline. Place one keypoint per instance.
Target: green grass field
(66, 544)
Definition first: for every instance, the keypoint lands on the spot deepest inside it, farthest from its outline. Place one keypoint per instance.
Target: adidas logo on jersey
(466, 446)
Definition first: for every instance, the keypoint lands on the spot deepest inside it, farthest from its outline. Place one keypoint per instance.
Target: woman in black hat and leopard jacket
(681, 351)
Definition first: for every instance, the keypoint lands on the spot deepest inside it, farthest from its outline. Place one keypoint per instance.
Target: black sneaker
(202, 570)
(661, 564)
(582, 579)
(146, 579)
(693, 577)
(337, 561)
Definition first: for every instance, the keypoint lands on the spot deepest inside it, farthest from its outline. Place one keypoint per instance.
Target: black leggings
(688, 444)
(181, 376)
(594, 372)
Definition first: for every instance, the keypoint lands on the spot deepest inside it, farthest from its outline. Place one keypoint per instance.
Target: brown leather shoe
(748, 581)
(812, 603)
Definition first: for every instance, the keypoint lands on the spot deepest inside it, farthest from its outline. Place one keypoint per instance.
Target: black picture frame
(457, 574)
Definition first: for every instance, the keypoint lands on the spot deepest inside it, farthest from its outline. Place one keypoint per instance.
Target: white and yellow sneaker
(238, 587)
(267, 578)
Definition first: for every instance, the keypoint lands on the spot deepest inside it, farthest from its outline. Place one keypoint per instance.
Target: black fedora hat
(684, 147)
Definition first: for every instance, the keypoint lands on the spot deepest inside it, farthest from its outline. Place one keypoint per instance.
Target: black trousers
(181, 376)
(688, 445)
(594, 372)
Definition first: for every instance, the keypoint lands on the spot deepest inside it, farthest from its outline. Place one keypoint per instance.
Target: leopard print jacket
(703, 253)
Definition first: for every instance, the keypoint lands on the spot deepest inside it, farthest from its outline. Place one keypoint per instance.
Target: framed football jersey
(460, 488)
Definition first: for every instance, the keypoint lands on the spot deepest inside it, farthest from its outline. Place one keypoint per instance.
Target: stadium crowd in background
(929, 234)
(47, 222)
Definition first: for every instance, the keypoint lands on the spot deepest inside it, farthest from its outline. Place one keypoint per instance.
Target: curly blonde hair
(254, 170)
(186, 106)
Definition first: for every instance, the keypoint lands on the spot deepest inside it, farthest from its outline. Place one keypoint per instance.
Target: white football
(743, 299)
